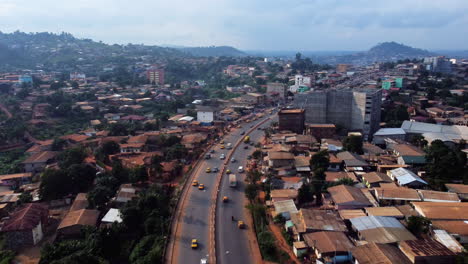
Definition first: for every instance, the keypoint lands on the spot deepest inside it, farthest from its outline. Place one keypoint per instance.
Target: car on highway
(208, 170)
(215, 169)
(195, 183)
(228, 171)
(194, 243)
(222, 156)
(201, 186)
(240, 169)
(246, 147)
(222, 142)
(212, 151)
(225, 199)
(233, 160)
(203, 261)
(240, 224)
(249, 157)
(242, 133)
(251, 143)
(222, 147)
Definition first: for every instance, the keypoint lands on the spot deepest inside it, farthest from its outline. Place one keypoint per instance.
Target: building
(292, 120)
(25, 226)
(155, 75)
(348, 197)
(460, 189)
(427, 251)
(38, 162)
(442, 211)
(205, 114)
(342, 68)
(406, 178)
(383, 133)
(396, 195)
(438, 64)
(276, 91)
(313, 220)
(355, 110)
(320, 131)
(374, 179)
(331, 247)
(74, 220)
(380, 229)
(373, 253)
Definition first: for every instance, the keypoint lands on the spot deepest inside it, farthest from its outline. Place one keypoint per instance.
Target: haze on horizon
(248, 25)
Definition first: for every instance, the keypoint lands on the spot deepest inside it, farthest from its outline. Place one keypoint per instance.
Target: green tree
(138, 174)
(58, 144)
(118, 129)
(110, 148)
(353, 144)
(419, 225)
(71, 156)
(305, 194)
(99, 196)
(445, 164)
(257, 154)
(156, 167)
(25, 197)
(251, 191)
(54, 184)
(320, 160)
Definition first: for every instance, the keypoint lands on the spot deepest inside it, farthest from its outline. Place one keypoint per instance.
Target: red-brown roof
(26, 217)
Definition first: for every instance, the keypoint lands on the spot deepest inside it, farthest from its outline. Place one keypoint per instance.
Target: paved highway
(232, 243)
(194, 220)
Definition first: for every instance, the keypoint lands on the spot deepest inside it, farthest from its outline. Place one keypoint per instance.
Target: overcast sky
(248, 24)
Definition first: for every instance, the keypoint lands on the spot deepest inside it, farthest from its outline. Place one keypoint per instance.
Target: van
(240, 169)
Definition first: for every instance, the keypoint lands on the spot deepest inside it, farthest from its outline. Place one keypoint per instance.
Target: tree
(320, 160)
(110, 148)
(445, 164)
(58, 144)
(419, 225)
(257, 154)
(251, 192)
(25, 197)
(353, 144)
(80, 177)
(54, 184)
(155, 167)
(305, 194)
(138, 174)
(118, 129)
(99, 196)
(75, 85)
(418, 140)
(254, 176)
(71, 156)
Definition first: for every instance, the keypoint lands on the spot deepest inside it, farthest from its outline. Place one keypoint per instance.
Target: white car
(222, 156)
(233, 160)
(240, 169)
(203, 261)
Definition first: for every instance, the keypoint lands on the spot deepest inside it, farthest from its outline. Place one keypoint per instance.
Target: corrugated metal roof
(370, 222)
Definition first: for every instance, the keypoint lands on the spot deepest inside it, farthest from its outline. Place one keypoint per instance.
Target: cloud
(247, 24)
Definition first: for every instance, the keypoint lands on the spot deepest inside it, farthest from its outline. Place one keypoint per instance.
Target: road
(232, 244)
(195, 210)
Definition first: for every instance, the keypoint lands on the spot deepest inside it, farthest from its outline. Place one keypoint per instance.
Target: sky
(309, 25)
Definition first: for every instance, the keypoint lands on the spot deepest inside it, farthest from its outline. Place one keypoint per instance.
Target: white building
(205, 114)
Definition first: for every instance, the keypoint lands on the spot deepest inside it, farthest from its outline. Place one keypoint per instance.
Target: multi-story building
(292, 120)
(155, 75)
(438, 64)
(354, 110)
(276, 91)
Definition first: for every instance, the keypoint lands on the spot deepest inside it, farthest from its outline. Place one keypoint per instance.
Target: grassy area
(10, 161)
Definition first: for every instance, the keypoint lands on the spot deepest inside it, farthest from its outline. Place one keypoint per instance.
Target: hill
(213, 51)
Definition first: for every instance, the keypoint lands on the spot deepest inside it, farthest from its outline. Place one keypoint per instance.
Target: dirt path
(281, 242)
(6, 111)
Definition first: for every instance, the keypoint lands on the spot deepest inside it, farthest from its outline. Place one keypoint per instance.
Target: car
(240, 169)
(225, 199)
(194, 243)
(243, 133)
(208, 170)
(222, 147)
(215, 169)
(222, 142)
(240, 224)
(249, 157)
(259, 128)
(251, 144)
(233, 160)
(195, 183)
(201, 186)
(222, 156)
(246, 147)
(228, 171)
(212, 151)
(203, 261)
(251, 126)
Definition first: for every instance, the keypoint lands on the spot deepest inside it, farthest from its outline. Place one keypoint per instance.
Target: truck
(246, 139)
(232, 180)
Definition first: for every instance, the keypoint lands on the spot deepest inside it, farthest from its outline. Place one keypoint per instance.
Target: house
(25, 226)
(278, 159)
(335, 163)
(320, 131)
(302, 164)
(331, 247)
(331, 145)
(348, 197)
(125, 194)
(373, 253)
(396, 195)
(38, 162)
(451, 242)
(380, 229)
(442, 211)
(131, 147)
(383, 133)
(80, 202)
(334, 176)
(15, 180)
(460, 189)
(205, 114)
(435, 196)
(285, 208)
(384, 211)
(352, 162)
(456, 228)
(427, 251)
(71, 224)
(300, 248)
(347, 214)
(283, 194)
(407, 178)
(313, 220)
(374, 179)
(112, 216)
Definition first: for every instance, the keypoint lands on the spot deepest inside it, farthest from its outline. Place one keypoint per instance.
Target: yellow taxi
(222, 142)
(222, 146)
(201, 186)
(225, 199)
(241, 224)
(208, 170)
(195, 183)
(194, 244)
(228, 171)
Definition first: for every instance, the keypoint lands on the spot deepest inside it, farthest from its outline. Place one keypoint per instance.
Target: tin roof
(327, 241)
(442, 210)
(379, 253)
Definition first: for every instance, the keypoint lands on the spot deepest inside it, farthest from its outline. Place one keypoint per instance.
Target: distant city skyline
(320, 25)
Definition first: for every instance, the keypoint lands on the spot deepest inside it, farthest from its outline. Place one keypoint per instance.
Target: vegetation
(419, 225)
(353, 144)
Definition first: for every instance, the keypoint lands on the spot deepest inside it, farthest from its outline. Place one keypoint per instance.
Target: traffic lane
(195, 220)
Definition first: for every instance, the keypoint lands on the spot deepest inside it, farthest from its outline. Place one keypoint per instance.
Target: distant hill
(213, 51)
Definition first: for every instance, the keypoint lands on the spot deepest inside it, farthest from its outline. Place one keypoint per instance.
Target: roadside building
(314, 220)
(278, 159)
(276, 91)
(206, 114)
(383, 133)
(283, 194)
(291, 120)
(15, 180)
(285, 208)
